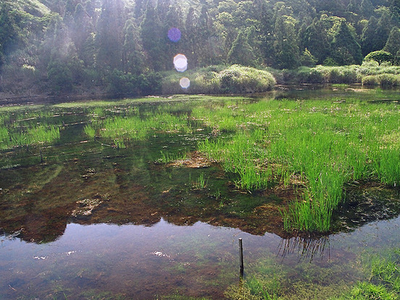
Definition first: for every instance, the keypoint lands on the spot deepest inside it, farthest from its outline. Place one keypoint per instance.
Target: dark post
(241, 258)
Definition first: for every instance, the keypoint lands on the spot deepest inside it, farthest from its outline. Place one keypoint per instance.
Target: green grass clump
(322, 145)
(220, 79)
(239, 79)
(137, 126)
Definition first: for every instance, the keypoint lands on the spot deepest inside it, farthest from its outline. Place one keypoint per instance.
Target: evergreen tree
(346, 49)
(82, 28)
(241, 52)
(109, 37)
(382, 30)
(395, 7)
(367, 9)
(368, 37)
(189, 36)
(286, 47)
(153, 39)
(203, 32)
(174, 19)
(133, 55)
(8, 31)
(315, 39)
(393, 42)
(354, 7)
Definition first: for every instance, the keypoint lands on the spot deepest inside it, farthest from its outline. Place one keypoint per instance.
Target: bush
(309, 75)
(239, 79)
(389, 80)
(384, 80)
(370, 80)
(219, 79)
(379, 56)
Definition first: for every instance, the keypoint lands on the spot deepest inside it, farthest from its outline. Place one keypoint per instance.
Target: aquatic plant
(383, 278)
(324, 145)
(201, 182)
(89, 131)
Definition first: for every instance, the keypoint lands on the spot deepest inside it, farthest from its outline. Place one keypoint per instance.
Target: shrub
(389, 80)
(370, 80)
(219, 79)
(379, 56)
(239, 79)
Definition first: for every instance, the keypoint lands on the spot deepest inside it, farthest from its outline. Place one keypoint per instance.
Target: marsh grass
(139, 126)
(221, 79)
(369, 74)
(324, 145)
(201, 182)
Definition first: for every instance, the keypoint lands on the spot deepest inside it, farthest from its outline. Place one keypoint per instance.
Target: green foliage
(379, 56)
(127, 84)
(219, 79)
(393, 42)
(239, 79)
(383, 281)
(59, 76)
(108, 46)
(321, 145)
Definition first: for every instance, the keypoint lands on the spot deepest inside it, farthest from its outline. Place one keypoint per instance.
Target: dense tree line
(123, 45)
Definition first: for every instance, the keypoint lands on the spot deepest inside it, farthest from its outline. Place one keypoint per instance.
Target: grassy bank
(368, 74)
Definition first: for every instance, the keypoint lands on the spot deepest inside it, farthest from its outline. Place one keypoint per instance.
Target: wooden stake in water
(241, 258)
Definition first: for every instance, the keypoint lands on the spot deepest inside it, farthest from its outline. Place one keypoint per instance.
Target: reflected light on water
(180, 63)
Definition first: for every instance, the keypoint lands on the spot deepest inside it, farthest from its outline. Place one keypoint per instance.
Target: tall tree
(346, 48)
(368, 37)
(153, 39)
(8, 30)
(286, 48)
(133, 55)
(393, 42)
(382, 30)
(241, 51)
(82, 28)
(109, 37)
(315, 39)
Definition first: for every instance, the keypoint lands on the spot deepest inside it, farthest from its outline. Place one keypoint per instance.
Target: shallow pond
(86, 218)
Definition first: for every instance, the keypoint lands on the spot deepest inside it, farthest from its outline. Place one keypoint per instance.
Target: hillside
(96, 46)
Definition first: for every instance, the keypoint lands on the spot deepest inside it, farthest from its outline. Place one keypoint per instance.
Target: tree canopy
(86, 44)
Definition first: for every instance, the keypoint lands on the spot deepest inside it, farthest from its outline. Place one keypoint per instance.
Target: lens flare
(184, 83)
(174, 34)
(180, 63)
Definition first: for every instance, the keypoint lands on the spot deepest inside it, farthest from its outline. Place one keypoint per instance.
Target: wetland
(147, 198)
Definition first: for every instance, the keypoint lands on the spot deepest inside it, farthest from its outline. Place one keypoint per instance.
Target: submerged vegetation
(312, 148)
(379, 279)
(277, 165)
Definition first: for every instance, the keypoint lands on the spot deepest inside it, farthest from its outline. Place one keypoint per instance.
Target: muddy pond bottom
(139, 262)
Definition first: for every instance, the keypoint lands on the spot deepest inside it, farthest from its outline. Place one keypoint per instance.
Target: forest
(53, 47)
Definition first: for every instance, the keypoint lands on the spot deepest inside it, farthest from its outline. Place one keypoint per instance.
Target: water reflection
(94, 220)
(305, 248)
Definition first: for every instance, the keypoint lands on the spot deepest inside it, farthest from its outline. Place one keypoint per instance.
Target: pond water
(83, 219)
